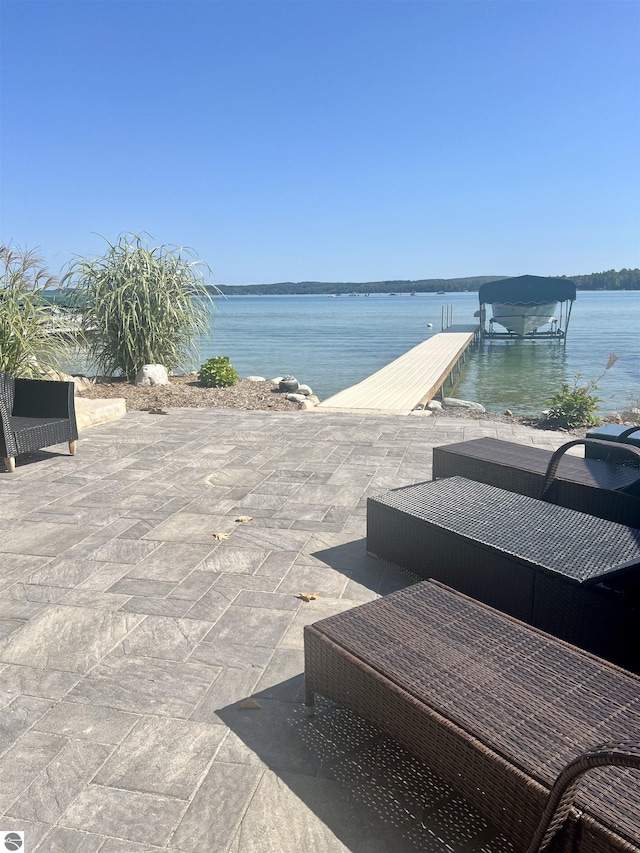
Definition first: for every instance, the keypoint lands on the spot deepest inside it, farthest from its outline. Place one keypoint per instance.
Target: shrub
(141, 305)
(217, 373)
(28, 344)
(576, 405)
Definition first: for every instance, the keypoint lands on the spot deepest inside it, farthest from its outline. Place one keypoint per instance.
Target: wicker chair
(508, 715)
(608, 490)
(35, 414)
(612, 434)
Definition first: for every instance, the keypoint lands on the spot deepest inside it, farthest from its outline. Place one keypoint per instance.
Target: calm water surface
(331, 343)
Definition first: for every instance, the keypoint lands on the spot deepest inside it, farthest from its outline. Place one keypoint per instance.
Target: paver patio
(130, 636)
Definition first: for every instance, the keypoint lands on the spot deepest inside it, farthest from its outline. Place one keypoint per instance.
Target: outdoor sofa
(508, 715)
(35, 414)
(607, 489)
(574, 575)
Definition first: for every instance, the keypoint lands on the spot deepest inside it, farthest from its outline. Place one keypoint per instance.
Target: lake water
(331, 343)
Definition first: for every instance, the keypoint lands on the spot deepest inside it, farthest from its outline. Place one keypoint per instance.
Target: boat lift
(519, 298)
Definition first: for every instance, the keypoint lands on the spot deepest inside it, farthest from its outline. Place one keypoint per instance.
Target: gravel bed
(185, 392)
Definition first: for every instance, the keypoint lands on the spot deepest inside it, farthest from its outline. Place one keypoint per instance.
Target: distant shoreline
(611, 280)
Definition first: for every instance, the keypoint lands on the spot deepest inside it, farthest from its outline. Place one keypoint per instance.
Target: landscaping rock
(256, 379)
(434, 405)
(452, 402)
(82, 383)
(152, 374)
(288, 384)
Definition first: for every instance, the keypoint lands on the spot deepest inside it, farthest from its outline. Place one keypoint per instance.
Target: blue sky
(334, 141)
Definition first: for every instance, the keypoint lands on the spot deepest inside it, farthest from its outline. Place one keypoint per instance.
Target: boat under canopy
(527, 306)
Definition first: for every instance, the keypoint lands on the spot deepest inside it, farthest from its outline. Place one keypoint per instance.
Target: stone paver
(130, 635)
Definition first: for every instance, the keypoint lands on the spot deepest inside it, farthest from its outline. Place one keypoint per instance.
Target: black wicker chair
(34, 414)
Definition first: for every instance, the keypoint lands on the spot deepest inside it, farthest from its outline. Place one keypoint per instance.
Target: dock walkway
(411, 379)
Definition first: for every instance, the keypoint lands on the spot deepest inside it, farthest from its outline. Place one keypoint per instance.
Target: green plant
(29, 343)
(141, 305)
(576, 405)
(217, 373)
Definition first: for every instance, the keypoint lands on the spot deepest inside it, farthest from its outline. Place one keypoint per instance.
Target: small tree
(140, 305)
(577, 405)
(29, 344)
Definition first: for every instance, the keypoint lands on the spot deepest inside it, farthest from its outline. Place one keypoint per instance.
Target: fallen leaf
(308, 596)
(220, 536)
(154, 410)
(243, 518)
(250, 704)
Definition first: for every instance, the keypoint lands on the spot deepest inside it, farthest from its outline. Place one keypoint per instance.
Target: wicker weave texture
(538, 562)
(532, 532)
(494, 706)
(35, 414)
(595, 487)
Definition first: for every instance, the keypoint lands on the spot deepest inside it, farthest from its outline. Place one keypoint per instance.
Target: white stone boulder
(454, 403)
(152, 374)
(295, 398)
(434, 405)
(256, 379)
(304, 389)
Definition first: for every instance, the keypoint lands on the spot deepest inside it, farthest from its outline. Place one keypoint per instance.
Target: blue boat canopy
(527, 290)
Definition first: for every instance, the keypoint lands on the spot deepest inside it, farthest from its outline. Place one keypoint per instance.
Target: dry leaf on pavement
(308, 596)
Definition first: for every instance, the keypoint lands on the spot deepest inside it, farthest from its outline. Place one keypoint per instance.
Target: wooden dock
(412, 379)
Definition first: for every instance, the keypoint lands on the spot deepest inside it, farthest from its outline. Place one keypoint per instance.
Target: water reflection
(518, 375)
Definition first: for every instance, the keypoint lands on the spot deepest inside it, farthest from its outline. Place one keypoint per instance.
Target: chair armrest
(633, 453)
(565, 788)
(39, 398)
(5, 423)
(627, 432)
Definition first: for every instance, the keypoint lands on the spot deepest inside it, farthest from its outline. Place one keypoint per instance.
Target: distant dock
(412, 379)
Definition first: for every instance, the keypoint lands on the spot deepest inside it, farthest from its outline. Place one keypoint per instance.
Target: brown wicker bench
(569, 573)
(498, 709)
(605, 489)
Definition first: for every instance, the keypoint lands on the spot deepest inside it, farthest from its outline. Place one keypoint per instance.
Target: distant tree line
(624, 279)
(426, 285)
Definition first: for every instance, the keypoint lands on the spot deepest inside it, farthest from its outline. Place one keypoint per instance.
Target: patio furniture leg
(10, 464)
(73, 446)
(309, 701)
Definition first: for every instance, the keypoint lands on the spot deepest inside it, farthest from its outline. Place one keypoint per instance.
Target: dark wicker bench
(605, 489)
(34, 414)
(566, 572)
(498, 709)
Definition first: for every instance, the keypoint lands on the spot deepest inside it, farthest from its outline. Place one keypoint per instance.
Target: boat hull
(522, 320)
